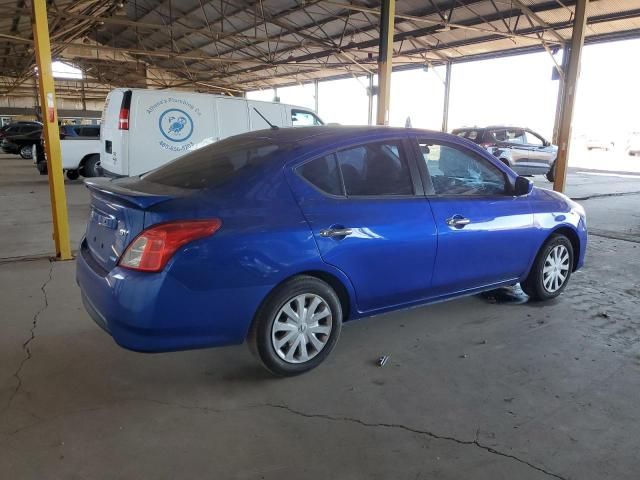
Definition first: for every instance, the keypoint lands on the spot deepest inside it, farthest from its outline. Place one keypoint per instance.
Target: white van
(143, 129)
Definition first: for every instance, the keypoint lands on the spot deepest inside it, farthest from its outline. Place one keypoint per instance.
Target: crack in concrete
(475, 442)
(603, 195)
(32, 336)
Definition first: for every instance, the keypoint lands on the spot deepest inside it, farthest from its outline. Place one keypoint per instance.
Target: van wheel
(551, 269)
(91, 166)
(25, 152)
(72, 174)
(297, 326)
(506, 162)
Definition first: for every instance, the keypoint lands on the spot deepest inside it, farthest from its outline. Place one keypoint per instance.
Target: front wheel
(551, 174)
(72, 174)
(551, 269)
(297, 326)
(25, 152)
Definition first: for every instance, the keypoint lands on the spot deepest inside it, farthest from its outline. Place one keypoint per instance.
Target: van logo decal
(175, 125)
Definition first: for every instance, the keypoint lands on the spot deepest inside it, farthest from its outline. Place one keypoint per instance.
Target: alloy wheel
(302, 328)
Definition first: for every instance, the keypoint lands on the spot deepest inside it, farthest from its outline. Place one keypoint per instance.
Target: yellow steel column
(571, 75)
(51, 132)
(385, 60)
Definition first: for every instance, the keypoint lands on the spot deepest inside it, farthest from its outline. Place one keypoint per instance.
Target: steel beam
(370, 99)
(571, 76)
(385, 60)
(447, 90)
(57, 193)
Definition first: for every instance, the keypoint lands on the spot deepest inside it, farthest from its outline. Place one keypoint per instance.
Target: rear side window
(89, 131)
(473, 135)
(323, 174)
(375, 169)
(215, 164)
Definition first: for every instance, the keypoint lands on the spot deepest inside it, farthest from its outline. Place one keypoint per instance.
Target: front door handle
(335, 232)
(458, 221)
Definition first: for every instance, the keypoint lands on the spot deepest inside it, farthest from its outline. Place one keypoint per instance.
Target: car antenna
(273, 127)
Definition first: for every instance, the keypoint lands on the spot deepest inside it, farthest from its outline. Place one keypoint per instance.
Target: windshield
(214, 164)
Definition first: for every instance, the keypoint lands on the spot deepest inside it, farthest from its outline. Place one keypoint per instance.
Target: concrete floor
(475, 388)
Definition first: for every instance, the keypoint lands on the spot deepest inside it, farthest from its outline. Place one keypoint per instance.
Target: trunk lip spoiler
(106, 186)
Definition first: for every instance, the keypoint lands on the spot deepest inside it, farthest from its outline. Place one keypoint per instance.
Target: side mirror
(523, 186)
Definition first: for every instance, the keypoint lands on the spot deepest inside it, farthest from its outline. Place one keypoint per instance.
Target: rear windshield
(214, 164)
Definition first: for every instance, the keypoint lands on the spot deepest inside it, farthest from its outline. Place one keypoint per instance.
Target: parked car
(521, 149)
(20, 144)
(633, 144)
(277, 237)
(19, 128)
(79, 146)
(597, 143)
(144, 129)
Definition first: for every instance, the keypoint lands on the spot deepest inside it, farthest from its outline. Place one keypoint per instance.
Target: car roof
(337, 134)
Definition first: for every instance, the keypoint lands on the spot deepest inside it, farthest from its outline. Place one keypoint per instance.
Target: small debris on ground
(464, 355)
(382, 361)
(603, 314)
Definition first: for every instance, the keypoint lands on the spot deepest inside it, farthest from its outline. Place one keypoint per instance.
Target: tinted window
(455, 171)
(323, 174)
(213, 165)
(375, 169)
(301, 118)
(89, 131)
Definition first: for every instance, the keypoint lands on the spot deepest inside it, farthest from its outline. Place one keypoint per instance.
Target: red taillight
(152, 249)
(123, 119)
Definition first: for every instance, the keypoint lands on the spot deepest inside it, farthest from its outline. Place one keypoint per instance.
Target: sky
(516, 90)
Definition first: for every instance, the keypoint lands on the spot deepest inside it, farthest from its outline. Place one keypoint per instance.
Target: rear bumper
(156, 313)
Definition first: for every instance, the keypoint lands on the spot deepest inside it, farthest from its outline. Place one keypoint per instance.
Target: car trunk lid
(117, 216)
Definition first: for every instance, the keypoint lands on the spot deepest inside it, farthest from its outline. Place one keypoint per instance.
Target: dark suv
(524, 150)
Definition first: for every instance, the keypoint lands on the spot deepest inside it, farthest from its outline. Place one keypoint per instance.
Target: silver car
(522, 149)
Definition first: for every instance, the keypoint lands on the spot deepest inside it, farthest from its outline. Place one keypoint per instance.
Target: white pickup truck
(80, 152)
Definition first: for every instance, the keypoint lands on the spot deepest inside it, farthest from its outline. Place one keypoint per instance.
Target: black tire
(534, 284)
(506, 162)
(25, 152)
(260, 335)
(91, 166)
(551, 174)
(72, 174)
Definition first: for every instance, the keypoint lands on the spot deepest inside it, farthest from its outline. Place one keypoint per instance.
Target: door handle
(335, 232)
(458, 221)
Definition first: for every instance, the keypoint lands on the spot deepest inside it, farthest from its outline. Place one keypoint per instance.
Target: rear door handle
(458, 221)
(335, 232)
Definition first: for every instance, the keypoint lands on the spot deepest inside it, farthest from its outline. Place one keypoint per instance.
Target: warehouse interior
(486, 386)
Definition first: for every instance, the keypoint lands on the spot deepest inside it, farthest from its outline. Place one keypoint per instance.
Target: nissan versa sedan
(277, 237)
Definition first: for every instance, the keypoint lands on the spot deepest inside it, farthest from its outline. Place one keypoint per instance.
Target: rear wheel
(551, 270)
(25, 152)
(91, 166)
(297, 326)
(72, 174)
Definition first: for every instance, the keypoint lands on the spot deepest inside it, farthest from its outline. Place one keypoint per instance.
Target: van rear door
(113, 137)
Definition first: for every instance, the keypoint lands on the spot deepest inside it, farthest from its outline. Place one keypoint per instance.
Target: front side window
(375, 169)
(456, 171)
(533, 139)
(302, 118)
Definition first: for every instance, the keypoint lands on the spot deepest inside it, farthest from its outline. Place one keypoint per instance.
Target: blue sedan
(277, 237)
